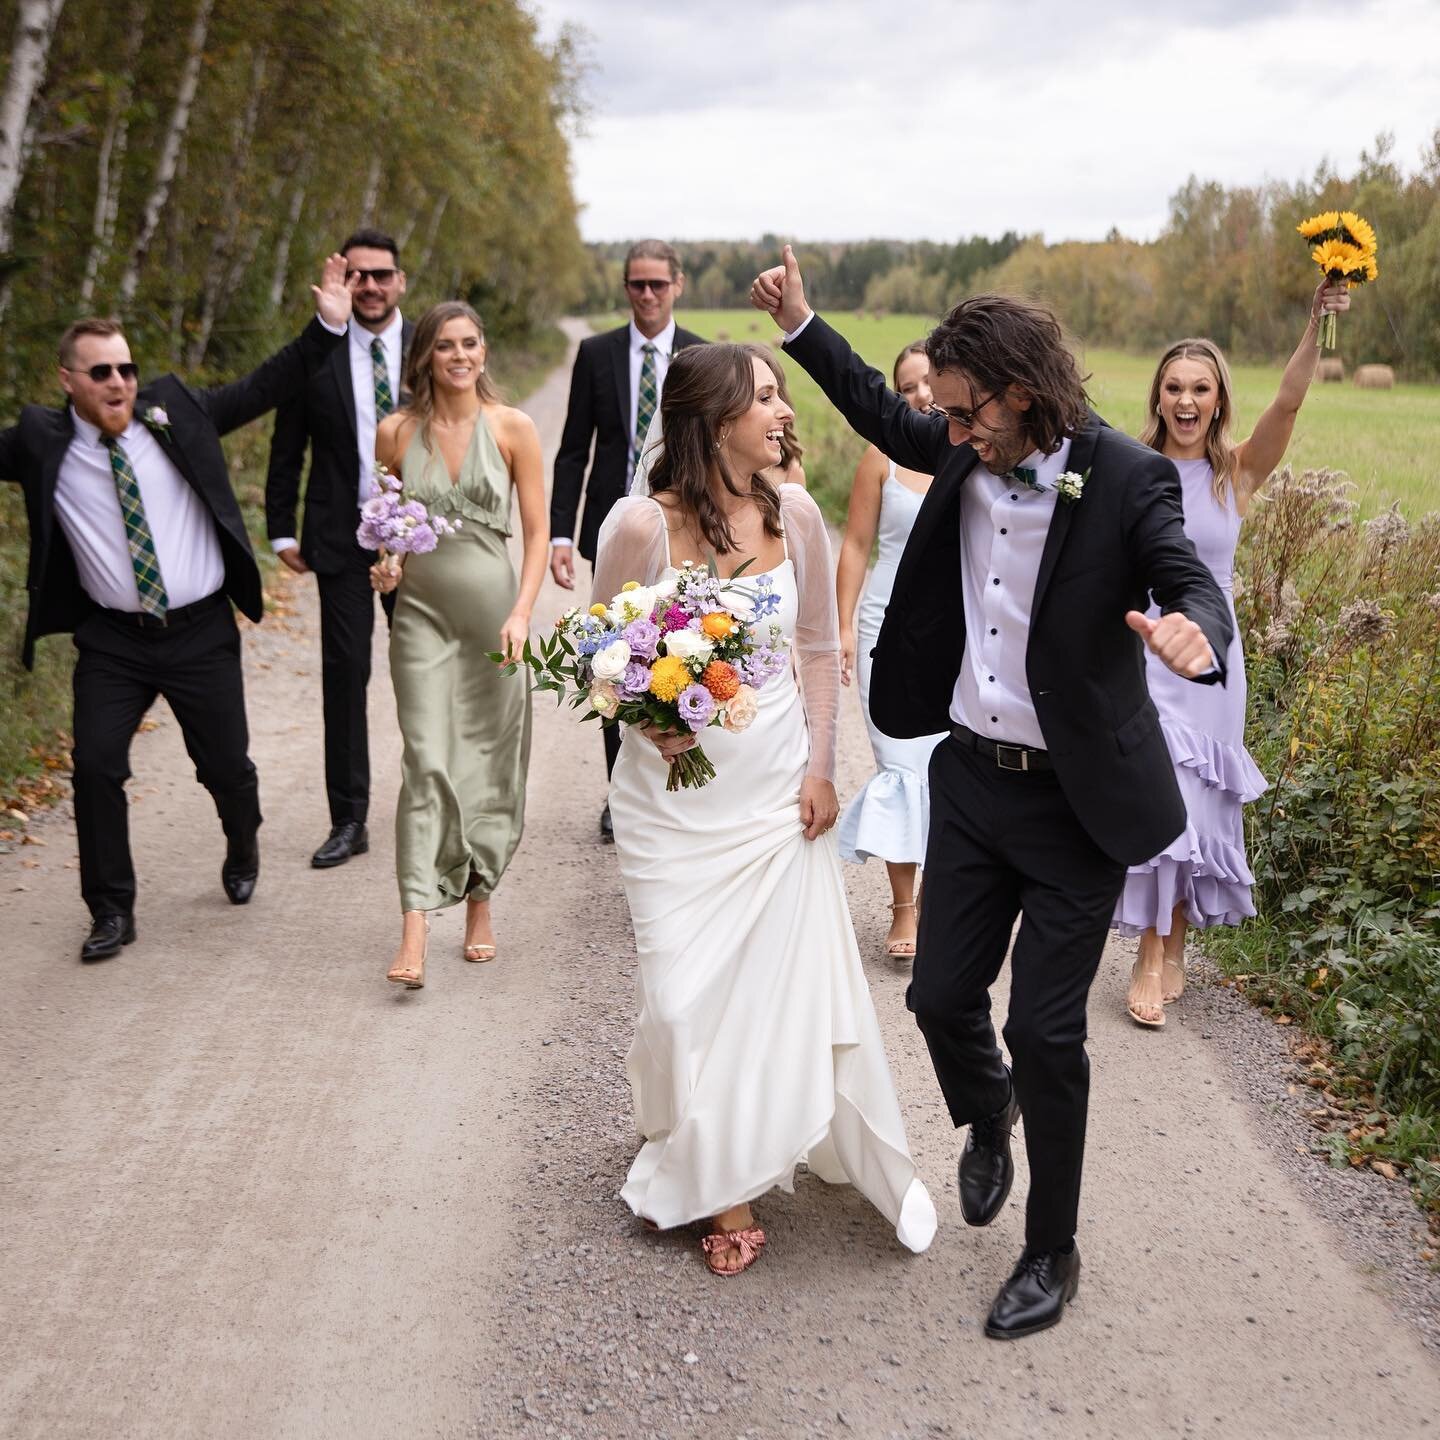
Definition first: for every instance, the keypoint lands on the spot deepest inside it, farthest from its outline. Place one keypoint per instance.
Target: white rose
(610, 660)
(665, 587)
(740, 710)
(635, 604)
(603, 699)
(688, 645)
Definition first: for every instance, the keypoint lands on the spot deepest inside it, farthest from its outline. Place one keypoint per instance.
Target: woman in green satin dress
(466, 726)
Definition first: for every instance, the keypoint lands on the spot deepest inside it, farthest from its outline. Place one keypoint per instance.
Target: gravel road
(250, 1190)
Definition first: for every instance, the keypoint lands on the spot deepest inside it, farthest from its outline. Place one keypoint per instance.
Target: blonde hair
(421, 402)
(1219, 444)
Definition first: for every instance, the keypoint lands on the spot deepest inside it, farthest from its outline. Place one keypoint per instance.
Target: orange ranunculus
(717, 625)
(720, 679)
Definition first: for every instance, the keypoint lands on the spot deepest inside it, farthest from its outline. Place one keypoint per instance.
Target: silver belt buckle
(1000, 752)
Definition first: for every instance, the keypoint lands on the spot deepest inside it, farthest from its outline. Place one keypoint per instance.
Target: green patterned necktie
(148, 580)
(649, 398)
(1024, 475)
(384, 400)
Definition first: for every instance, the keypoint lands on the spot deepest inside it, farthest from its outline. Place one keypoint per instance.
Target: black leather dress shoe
(607, 827)
(107, 934)
(1036, 1294)
(351, 838)
(986, 1169)
(240, 871)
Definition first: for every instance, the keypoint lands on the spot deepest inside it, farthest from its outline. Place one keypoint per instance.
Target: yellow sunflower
(1337, 259)
(1362, 232)
(1319, 224)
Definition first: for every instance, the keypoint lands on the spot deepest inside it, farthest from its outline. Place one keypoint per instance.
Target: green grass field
(1384, 439)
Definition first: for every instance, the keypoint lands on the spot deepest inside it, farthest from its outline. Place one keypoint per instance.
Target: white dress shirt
(87, 506)
(1003, 526)
(362, 385)
(664, 344)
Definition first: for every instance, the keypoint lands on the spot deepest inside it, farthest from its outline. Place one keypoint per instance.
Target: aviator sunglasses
(128, 370)
(639, 287)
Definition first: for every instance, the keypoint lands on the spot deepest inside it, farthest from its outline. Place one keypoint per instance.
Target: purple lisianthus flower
(422, 539)
(413, 510)
(635, 680)
(642, 636)
(696, 705)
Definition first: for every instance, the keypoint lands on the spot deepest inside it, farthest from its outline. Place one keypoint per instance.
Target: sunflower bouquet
(1343, 246)
(684, 653)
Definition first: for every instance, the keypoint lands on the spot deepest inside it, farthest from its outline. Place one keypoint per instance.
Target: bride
(757, 1046)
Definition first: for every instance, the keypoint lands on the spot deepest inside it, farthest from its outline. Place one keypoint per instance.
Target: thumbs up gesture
(1177, 640)
(781, 293)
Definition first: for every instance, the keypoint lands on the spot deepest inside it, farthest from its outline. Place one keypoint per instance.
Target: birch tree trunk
(35, 22)
(217, 269)
(169, 152)
(110, 171)
(287, 234)
(371, 197)
(432, 232)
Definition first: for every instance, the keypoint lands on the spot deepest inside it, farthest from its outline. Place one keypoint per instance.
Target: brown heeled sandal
(902, 949)
(412, 977)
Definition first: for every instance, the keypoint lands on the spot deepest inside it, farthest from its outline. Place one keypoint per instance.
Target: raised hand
(1329, 299)
(1177, 640)
(780, 292)
(333, 296)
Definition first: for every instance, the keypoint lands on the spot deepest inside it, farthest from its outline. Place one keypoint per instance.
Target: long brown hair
(1002, 340)
(916, 347)
(707, 388)
(1219, 446)
(421, 401)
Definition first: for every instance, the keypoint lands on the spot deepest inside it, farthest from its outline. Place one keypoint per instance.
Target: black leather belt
(180, 615)
(1006, 757)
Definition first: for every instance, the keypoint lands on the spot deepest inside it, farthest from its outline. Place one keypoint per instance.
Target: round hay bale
(1331, 369)
(1374, 377)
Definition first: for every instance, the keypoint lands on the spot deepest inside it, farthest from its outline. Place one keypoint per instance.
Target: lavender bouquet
(394, 525)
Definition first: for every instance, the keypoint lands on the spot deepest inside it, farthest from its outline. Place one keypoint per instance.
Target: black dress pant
(1005, 843)
(347, 625)
(194, 662)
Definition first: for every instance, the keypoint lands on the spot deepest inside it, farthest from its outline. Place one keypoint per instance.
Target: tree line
(1227, 264)
(187, 165)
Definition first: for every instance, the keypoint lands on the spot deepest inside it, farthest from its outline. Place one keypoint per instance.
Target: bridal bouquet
(1344, 247)
(689, 651)
(398, 526)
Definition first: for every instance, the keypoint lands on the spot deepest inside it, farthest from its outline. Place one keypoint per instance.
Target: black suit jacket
(600, 411)
(321, 414)
(1105, 553)
(32, 450)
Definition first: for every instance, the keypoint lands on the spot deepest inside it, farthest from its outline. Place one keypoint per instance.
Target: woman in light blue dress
(890, 817)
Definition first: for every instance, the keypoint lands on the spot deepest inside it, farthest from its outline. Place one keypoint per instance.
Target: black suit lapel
(621, 355)
(345, 387)
(1082, 454)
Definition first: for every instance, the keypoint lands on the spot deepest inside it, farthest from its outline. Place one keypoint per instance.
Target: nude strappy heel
(412, 977)
(902, 949)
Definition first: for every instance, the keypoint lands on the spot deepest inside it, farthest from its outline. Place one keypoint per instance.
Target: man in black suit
(137, 545)
(614, 392)
(335, 415)
(1015, 623)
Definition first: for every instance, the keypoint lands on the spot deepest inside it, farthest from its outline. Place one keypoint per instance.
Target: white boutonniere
(156, 418)
(1069, 486)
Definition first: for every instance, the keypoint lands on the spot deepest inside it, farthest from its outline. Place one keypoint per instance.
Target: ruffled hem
(1219, 765)
(889, 820)
(1208, 876)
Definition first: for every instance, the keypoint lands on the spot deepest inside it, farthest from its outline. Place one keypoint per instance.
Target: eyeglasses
(656, 287)
(127, 369)
(962, 417)
(380, 277)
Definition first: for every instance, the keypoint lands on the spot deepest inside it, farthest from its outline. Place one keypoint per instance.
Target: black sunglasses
(639, 287)
(962, 417)
(380, 277)
(100, 373)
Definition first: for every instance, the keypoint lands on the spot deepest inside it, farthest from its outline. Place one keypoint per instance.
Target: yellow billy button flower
(630, 585)
(599, 611)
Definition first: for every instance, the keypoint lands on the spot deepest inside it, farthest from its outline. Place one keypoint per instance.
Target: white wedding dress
(757, 1046)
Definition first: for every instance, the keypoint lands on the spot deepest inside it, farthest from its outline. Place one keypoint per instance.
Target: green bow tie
(1024, 475)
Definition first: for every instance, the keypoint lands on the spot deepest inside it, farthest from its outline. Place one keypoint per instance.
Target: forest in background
(1228, 264)
(186, 166)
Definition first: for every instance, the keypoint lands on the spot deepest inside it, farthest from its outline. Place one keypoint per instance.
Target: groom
(1016, 625)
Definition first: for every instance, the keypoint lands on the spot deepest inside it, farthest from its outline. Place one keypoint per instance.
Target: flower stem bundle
(1343, 245)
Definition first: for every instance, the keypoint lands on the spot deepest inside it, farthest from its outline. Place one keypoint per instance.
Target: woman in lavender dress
(1202, 878)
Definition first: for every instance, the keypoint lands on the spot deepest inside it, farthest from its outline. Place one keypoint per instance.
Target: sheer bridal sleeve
(631, 547)
(817, 627)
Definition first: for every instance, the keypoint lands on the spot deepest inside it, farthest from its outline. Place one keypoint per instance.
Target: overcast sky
(841, 119)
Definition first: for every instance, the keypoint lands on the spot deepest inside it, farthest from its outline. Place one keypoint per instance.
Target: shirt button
(995, 581)
(1014, 497)
(1003, 530)
(994, 719)
(994, 631)
(992, 679)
